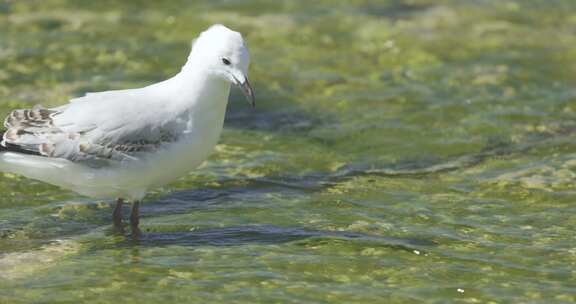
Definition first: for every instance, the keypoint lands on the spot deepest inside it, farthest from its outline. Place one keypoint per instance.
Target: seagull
(120, 144)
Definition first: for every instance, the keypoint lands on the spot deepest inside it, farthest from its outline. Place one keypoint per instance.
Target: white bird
(119, 144)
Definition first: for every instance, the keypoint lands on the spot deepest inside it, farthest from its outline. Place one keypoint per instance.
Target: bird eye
(226, 61)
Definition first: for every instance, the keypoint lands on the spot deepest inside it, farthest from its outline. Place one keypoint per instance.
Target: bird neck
(200, 88)
(202, 97)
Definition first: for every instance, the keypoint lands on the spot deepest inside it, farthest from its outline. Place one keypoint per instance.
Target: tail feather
(7, 147)
(2, 148)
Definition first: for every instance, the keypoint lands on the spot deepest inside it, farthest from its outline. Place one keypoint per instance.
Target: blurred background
(401, 151)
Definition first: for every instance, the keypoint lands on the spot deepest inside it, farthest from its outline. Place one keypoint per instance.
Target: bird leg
(117, 215)
(135, 215)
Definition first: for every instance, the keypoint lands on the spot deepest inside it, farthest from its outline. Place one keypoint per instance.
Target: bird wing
(112, 125)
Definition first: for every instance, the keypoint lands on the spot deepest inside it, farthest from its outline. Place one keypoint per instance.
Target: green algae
(401, 152)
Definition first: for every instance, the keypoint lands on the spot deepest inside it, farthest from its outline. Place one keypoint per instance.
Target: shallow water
(400, 152)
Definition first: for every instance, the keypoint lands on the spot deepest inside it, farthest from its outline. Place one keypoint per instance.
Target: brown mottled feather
(14, 148)
(33, 131)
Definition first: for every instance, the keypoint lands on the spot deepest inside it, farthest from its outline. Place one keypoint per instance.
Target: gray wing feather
(50, 133)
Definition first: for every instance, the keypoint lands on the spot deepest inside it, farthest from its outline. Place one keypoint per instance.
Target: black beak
(248, 92)
(246, 88)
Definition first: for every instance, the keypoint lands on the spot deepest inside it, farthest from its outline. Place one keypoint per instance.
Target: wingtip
(2, 142)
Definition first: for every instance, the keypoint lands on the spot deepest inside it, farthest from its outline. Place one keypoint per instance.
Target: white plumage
(119, 144)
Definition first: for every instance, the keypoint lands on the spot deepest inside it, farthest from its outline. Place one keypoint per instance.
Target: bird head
(223, 53)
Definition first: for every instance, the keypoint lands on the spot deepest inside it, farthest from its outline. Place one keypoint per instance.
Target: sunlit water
(401, 151)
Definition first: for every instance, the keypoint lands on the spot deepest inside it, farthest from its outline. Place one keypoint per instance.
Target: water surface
(400, 152)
